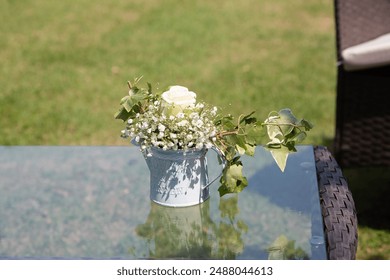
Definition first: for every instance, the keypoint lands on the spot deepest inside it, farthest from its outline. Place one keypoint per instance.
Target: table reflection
(191, 233)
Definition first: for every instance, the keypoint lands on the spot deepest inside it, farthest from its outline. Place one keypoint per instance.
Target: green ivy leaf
(250, 149)
(140, 96)
(248, 119)
(306, 124)
(124, 99)
(230, 153)
(128, 105)
(131, 103)
(225, 121)
(240, 149)
(254, 134)
(287, 116)
(300, 136)
(122, 114)
(232, 180)
(274, 133)
(284, 131)
(240, 143)
(150, 92)
(280, 156)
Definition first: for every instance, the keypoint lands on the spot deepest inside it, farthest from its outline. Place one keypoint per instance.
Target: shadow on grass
(370, 188)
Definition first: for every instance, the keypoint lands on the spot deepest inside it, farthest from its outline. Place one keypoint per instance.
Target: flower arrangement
(175, 120)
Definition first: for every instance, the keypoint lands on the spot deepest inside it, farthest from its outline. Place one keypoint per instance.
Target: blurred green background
(65, 64)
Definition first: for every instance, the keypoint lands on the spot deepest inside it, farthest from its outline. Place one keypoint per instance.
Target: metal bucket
(178, 178)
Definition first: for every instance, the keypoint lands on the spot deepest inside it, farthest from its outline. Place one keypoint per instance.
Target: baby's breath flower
(145, 125)
(199, 146)
(160, 135)
(194, 115)
(192, 127)
(199, 123)
(182, 123)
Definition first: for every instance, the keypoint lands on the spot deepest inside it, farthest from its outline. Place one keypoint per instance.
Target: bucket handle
(221, 156)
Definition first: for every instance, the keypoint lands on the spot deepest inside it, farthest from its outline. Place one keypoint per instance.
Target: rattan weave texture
(338, 207)
(363, 97)
(362, 20)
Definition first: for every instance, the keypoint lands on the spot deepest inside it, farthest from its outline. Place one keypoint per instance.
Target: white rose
(176, 99)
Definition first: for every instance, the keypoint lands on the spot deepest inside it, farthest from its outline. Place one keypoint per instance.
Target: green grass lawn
(65, 64)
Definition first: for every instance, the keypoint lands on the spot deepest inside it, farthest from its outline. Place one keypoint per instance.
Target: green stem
(278, 124)
(227, 133)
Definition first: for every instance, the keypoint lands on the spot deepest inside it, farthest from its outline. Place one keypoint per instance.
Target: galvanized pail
(178, 178)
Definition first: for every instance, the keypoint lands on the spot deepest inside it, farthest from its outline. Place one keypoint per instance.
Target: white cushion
(369, 54)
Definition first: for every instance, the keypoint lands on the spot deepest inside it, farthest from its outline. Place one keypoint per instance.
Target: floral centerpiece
(175, 120)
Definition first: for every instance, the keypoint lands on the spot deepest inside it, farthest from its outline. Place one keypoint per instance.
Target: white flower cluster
(191, 128)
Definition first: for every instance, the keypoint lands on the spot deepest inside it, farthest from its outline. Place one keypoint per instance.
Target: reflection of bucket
(178, 232)
(178, 178)
(191, 233)
(184, 221)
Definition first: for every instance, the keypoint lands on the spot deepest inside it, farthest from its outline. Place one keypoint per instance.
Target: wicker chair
(363, 95)
(338, 207)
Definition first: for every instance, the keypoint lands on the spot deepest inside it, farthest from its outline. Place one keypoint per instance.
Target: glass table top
(83, 202)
